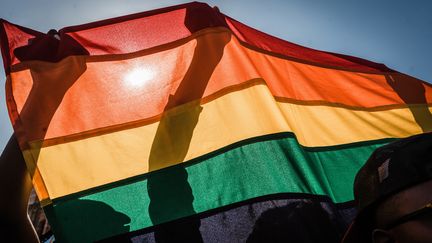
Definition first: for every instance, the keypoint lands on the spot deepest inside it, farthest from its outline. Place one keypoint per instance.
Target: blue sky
(396, 33)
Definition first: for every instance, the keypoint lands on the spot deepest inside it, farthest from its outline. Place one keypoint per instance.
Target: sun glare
(139, 77)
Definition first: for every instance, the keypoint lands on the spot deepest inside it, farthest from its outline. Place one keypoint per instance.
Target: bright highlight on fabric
(139, 77)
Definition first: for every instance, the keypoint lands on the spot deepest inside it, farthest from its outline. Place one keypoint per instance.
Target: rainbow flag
(183, 123)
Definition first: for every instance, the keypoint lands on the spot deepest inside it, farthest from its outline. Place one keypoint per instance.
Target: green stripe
(248, 170)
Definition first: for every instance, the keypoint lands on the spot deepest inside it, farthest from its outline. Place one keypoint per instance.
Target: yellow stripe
(253, 111)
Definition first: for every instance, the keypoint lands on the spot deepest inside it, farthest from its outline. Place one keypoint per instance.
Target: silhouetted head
(393, 192)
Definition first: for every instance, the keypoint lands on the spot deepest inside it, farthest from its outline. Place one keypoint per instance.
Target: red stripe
(145, 30)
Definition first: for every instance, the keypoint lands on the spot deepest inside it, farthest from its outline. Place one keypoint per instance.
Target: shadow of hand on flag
(64, 61)
(412, 92)
(173, 138)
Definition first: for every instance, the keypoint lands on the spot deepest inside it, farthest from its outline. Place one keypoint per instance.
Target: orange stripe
(77, 95)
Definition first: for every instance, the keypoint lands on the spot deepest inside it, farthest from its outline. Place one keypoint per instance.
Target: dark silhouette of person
(48, 89)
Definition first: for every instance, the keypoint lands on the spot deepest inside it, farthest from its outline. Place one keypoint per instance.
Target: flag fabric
(183, 123)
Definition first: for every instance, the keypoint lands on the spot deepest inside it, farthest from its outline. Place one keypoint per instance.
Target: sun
(139, 76)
